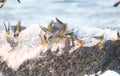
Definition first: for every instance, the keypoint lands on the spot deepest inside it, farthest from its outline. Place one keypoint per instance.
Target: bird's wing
(44, 28)
(13, 28)
(62, 25)
(58, 21)
(70, 33)
(5, 27)
(41, 35)
(2, 4)
(54, 28)
(23, 28)
(18, 27)
(19, 1)
(8, 26)
(116, 4)
(50, 26)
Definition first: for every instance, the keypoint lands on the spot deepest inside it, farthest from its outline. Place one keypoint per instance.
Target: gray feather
(13, 28)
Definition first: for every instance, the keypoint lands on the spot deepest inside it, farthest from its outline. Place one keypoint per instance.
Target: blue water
(77, 13)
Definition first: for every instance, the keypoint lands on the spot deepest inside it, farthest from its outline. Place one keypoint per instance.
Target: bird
(100, 46)
(116, 4)
(50, 26)
(58, 28)
(118, 35)
(70, 34)
(60, 34)
(55, 31)
(79, 42)
(62, 26)
(17, 29)
(4, 1)
(44, 29)
(67, 41)
(9, 39)
(19, 1)
(70, 38)
(43, 38)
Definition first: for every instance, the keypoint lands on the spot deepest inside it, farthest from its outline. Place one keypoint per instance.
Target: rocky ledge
(84, 60)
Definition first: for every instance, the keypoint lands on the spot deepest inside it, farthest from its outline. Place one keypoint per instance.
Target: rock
(84, 60)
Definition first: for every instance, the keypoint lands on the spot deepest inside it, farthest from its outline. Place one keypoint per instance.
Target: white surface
(1, 74)
(107, 73)
(110, 73)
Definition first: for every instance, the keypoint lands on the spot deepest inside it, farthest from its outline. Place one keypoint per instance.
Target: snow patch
(87, 34)
(110, 73)
(107, 73)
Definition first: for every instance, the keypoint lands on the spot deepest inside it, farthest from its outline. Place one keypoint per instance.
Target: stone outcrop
(84, 60)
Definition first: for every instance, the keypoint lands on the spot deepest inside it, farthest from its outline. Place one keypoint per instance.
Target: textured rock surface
(85, 60)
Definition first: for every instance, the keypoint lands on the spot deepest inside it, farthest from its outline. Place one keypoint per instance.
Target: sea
(76, 13)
